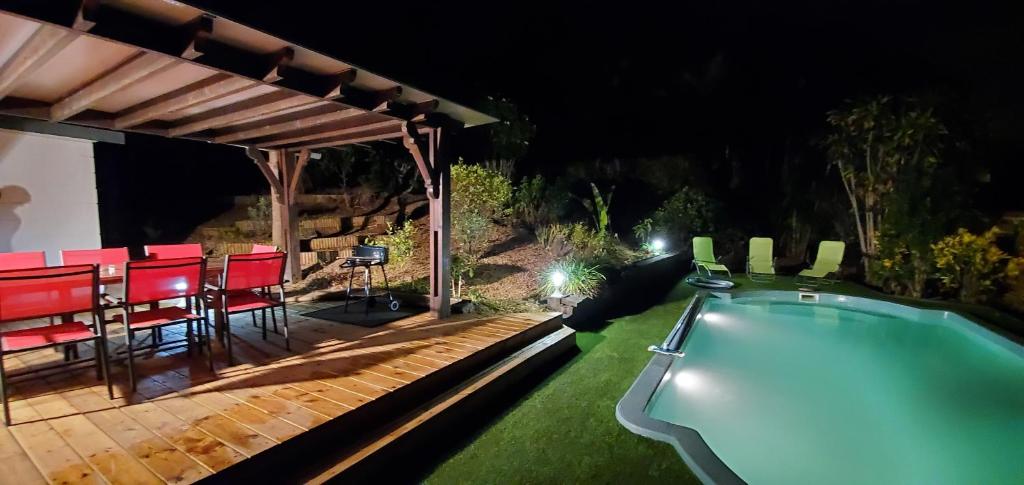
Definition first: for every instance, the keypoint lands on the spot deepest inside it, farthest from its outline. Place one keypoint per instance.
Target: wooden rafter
(300, 123)
(252, 109)
(44, 43)
(209, 89)
(354, 138)
(135, 68)
(330, 133)
(326, 86)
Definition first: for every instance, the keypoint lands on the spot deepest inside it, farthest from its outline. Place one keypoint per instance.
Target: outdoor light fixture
(658, 245)
(557, 280)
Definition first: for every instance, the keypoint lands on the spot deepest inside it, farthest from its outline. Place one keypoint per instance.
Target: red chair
(172, 251)
(105, 257)
(245, 276)
(263, 248)
(153, 281)
(27, 295)
(23, 260)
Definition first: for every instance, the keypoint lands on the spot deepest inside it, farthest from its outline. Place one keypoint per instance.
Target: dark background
(734, 85)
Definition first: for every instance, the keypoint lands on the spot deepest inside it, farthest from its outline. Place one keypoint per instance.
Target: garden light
(658, 244)
(557, 280)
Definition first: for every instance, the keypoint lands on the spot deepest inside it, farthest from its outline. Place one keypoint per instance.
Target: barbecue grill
(366, 257)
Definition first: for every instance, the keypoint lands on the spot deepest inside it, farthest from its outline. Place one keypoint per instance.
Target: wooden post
(282, 170)
(434, 163)
(440, 228)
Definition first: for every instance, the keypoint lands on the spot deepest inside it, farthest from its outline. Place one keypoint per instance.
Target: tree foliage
(686, 213)
(872, 145)
(972, 265)
(479, 196)
(512, 134)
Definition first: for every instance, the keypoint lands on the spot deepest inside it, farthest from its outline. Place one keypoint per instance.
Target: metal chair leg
(101, 349)
(264, 312)
(131, 357)
(188, 338)
(205, 322)
(273, 318)
(227, 337)
(3, 392)
(284, 318)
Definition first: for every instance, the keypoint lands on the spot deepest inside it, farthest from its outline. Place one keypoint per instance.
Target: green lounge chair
(704, 256)
(760, 263)
(830, 256)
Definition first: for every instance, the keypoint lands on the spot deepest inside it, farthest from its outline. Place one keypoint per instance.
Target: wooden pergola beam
(326, 86)
(369, 100)
(209, 89)
(45, 42)
(252, 109)
(330, 133)
(300, 123)
(354, 138)
(135, 68)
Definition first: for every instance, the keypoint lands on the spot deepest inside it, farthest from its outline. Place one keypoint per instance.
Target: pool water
(787, 392)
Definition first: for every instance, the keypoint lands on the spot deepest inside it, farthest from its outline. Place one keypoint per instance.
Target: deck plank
(185, 423)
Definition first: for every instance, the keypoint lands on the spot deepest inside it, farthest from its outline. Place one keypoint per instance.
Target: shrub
(687, 212)
(400, 241)
(479, 196)
(555, 239)
(643, 229)
(580, 278)
(478, 189)
(972, 265)
(260, 214)
(536, 202)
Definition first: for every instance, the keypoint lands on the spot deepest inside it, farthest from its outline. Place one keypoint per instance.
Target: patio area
(185, 423)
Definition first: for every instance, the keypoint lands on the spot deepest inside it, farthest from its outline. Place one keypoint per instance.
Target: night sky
(636, 79)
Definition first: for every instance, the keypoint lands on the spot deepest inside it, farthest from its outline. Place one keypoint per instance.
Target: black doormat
(357, 315)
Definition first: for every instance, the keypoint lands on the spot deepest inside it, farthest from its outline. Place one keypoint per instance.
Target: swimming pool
(788, 387)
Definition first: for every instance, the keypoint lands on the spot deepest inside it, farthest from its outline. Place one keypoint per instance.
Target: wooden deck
(184, 423)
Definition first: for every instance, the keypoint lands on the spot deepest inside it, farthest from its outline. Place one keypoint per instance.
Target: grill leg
(367, 281)
(348, 293)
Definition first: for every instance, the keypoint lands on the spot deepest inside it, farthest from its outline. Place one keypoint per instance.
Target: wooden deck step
(369, 459)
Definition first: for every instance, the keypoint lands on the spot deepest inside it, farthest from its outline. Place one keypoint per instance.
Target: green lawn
(565, 430)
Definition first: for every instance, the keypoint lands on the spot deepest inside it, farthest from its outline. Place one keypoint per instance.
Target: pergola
(165, 68)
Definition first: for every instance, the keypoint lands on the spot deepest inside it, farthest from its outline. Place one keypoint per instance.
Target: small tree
(872, 144)
(479, 196)
(260, 215)
(686, 213)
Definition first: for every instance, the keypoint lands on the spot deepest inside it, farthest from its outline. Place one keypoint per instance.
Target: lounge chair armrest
(212, 287)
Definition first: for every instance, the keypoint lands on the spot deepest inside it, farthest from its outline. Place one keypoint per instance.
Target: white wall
(48, 197)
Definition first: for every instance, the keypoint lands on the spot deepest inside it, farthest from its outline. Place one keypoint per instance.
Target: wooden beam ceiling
(209, 89)
(135, 68)
(300, 122)
(252, 109)
(327, 133)
(354, 138)
(45, 42)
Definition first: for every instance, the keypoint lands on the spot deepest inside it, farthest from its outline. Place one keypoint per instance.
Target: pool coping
(695, 452)
(698, 456)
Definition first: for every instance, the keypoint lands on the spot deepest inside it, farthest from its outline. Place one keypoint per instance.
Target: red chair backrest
(28, 259)
(247, 271)
(43, 292)
(173, 251)
(263, 248)
(163, 279)
(103, 257)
